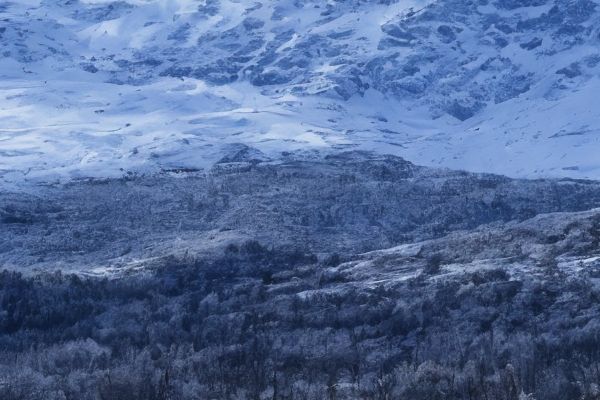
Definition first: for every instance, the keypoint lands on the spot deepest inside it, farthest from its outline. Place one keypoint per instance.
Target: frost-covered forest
(490, 292)
(259, 323)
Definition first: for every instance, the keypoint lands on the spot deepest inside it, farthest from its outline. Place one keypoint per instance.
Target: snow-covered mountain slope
(102, 88)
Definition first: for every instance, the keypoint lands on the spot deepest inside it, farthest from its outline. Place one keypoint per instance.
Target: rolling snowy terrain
(96, 88)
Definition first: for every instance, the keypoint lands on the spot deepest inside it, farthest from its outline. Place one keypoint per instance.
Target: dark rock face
(512, 4)
(532, 44)
(571, 71)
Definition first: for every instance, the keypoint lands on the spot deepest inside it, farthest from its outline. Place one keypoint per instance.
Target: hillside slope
(346, 203)
(98, 88)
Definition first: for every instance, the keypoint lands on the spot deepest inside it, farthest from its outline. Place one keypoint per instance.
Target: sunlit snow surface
(87, 88)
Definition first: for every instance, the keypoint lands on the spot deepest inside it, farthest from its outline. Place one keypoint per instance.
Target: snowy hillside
(103, 88)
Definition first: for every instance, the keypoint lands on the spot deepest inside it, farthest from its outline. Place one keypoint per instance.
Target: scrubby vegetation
(347, 203)
(260, 323)
(248, 282)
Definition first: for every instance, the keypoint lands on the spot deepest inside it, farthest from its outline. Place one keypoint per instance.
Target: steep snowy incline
(104, 88)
